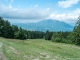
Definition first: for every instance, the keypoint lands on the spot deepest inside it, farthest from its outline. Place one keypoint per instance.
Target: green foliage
(34, 34)
(1, 25)
(60, 37)
(48, 35)
(15, 30)
(8, 31)
(57, 37)
(75, 35)
(39, 49)
(20, 34)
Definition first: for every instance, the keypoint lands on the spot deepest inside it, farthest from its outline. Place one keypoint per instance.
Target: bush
(56, 40)
(64, 40)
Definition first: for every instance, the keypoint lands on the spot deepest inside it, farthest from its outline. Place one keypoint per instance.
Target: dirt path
(2, 57)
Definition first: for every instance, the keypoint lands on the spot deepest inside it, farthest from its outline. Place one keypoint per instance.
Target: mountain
(51, 25)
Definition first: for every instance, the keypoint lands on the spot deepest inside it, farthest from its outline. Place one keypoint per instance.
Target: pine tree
(20, 34)
(7, 30)
(77, 32)
(75, 35)
(1, 25)
(15, 30)
(48, 35)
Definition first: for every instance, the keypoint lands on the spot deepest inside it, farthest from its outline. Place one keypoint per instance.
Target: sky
(22, 11)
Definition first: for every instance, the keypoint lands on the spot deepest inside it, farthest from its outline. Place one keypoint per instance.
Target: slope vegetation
(38, 49)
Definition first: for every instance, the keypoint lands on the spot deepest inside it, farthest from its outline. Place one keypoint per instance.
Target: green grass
(39, 49)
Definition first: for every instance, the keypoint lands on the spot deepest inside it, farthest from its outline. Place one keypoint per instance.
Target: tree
(75, 35)
(15, 30)
(7, 30)
(48, 35)
(12, 31)
(56, 37)
(1, 25)
(20, 34)
(77, 32)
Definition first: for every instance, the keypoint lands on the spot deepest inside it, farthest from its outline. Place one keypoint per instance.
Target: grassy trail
(2, 57)
(39, 49)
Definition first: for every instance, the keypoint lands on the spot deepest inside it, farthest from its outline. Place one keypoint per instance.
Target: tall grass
(39, 49)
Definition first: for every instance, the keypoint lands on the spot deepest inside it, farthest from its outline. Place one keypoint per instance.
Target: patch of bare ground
(2, 57)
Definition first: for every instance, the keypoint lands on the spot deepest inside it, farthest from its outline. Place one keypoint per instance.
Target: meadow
(38, 49)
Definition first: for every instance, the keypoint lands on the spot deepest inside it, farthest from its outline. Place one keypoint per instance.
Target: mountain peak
(48, 24)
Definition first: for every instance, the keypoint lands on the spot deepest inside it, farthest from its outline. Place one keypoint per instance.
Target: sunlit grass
(39, 49)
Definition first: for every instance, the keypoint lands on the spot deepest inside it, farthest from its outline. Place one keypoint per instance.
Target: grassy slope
(39, 49)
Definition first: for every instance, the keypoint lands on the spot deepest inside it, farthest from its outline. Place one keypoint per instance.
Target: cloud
(35, 5)
(66, 17)
(37, 13)
(29, 13)
(12, 1)
(10, 6)
(67, 3)
(6, 0)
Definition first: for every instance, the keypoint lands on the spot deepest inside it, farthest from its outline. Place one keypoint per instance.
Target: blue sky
(35, 10)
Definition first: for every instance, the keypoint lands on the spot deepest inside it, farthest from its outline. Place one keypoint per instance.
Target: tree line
(59, 36)
(72, 37)
(12, 31)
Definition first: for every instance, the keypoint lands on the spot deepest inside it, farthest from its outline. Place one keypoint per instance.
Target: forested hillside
(12, 31)
(65, 37)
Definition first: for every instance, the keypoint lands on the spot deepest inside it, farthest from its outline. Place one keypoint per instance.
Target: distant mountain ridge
(49, 24)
